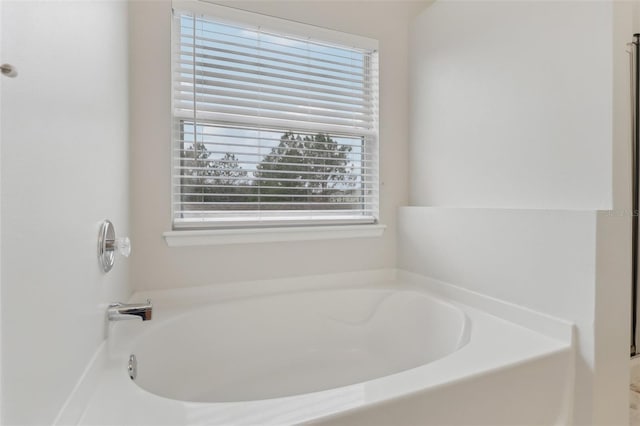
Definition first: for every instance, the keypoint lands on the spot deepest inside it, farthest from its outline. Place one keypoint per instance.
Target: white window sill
(266, 235)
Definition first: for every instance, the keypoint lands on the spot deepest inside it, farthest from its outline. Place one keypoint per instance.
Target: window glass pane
(271, 128)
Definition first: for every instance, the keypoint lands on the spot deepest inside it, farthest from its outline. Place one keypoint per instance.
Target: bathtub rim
(549, 325)
(546, 325)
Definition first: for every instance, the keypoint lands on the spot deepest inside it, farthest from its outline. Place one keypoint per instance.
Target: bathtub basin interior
(291, 344)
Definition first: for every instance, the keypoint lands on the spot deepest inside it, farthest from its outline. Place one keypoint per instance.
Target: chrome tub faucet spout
(124, 311)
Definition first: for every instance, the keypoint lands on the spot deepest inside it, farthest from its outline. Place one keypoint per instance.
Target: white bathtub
(297, 343)
(389, 353)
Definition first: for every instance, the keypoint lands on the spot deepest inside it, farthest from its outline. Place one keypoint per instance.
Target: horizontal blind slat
(259, 97)
(220, 164)
(309, 164)
(213, 104)
(239, 74)
(190, 186)
(261, 198)
(185, 149)
(255, 86)
(268, 203)
(275, 118)
(218, 139)
(267, 46)
(350, 69)
(271, 179)
(210, 118)
(205, 78)
(204, 61)
(271, 173)
(237, 149)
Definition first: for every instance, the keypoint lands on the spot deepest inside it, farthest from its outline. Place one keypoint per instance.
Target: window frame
(285, 27)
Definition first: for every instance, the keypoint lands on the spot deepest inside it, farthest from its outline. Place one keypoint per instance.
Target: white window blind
(271, 127)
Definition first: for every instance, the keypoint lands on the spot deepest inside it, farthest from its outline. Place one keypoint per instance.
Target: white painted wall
(553, 261)
(512, 105)
(156, 265)
(64, 169)
(521, 109)
(506, 254)
(1, 56)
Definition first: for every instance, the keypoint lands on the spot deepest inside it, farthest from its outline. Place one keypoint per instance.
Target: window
(275, 122)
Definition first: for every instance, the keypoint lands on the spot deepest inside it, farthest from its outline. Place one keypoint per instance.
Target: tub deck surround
(498, 356)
